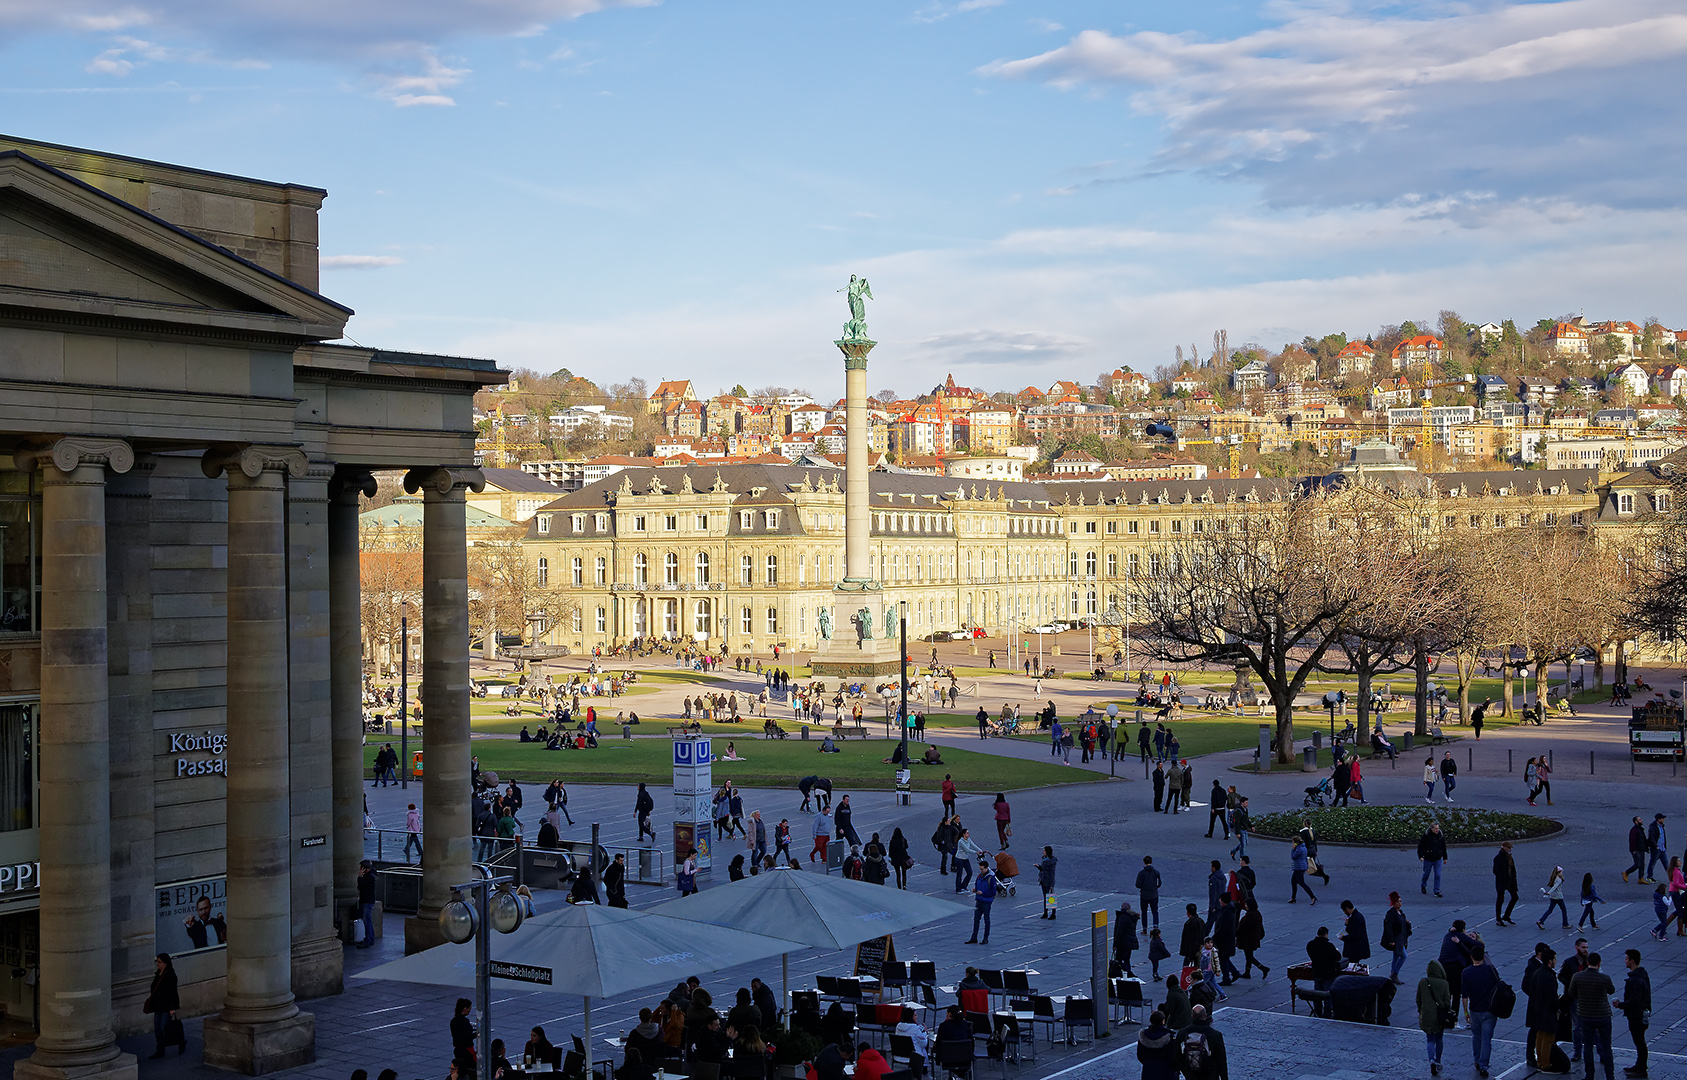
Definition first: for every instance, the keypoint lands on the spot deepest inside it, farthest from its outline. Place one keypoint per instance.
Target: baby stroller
(1317, 793)
(1007, 868)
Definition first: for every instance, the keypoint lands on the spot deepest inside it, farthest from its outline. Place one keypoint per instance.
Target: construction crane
(501, 448)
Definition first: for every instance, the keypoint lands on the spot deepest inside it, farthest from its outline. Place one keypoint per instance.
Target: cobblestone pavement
(1100, 833)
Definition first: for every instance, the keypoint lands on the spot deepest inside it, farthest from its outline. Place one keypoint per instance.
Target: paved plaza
(1100, 832)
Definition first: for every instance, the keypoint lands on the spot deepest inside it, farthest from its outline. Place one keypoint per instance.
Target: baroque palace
(746, 555)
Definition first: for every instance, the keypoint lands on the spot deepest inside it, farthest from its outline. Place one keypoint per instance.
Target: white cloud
(1332, 104)
(937, 11)
(359, 262)
(128, 53)
(392, 43)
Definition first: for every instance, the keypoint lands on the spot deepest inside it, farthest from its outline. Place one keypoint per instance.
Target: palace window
(670, 569)
(641, 569)
(577, 573)
(602, 620)
(600, 571)
(702, 569)
(773, 569)
(772, 620)
(543, 572)
(746, 570)
(544, 525)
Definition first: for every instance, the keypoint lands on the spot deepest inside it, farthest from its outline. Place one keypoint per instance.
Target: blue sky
(1036, 188)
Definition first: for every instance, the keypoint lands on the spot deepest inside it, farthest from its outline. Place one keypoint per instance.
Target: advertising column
(693, 792)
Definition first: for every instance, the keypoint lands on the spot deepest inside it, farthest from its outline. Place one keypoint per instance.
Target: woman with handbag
(1004, 819)
(162, 1001)
(900, 860)
(1435, 1011)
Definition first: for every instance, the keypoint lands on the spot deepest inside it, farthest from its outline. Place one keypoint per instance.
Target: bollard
(1508, 761)
(1590, 762)
(1550, 763)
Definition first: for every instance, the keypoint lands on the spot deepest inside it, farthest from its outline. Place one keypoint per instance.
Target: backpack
(1197, 1055)
(1505, 1000)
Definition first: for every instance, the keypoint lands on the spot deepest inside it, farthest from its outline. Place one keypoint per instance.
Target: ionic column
(345, 667)
(445, 692)
(259, 1029)
(76, 1037)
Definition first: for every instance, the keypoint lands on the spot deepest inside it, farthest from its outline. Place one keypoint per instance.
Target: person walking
(843, 820)
(1309, 836)
(1217, 885)
(1590, 991)
(1636, 851)
(1243, 823)
(983, 719)
(615, 881)
(1159, 779)
(412, 833)
(1250, 935)
(782, 842)
(163, 998)
(1142, 742)
(643, 804)
(1543, 781)
(1174, 787)
(1636, 1007)
(1478, 987)
(943, 840)
(1590, 897)
(1355, 935)
(1505, 884)
(1217, 811)
(1156, 1049)
(1396, 931)
(983, 895)
(1554, 893)
(1148, 893)
(366, 902)
(1188, 782)
(949, 795)
(1358, 776)
(822, 832)
(1575, 965)
(1449, 774)
(1224, 936)
(1004, 820)
(1432, 852)
(1297, 876)
(1125, 941)
(1435, 1011)
(1341, 776)
(1045, 880)
(900, 860)
(1455, 954)
(1657, 849)
(966, 854)
(1430, 776)
(1193, 937)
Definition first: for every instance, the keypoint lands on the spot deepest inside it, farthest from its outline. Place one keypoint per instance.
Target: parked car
(1046, 628)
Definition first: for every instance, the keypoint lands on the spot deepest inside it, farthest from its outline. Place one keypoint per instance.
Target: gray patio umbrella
(592, 951)
(814, 909)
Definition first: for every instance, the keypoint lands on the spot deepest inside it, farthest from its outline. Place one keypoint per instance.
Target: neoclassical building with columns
(181, 458)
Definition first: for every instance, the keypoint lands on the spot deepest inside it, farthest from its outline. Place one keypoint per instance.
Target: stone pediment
(68, 247)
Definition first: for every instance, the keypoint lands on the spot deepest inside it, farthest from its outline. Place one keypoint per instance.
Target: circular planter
(1403, 825)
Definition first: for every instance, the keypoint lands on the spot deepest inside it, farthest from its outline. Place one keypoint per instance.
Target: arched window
(641, 569)
(543, 572)
(578, 572)
(746, 570)
(772, 572)
(702, 622)
(670, 569)
(702, 568)
(1089, 563)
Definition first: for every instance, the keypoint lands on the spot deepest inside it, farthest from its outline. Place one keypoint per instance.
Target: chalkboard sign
(870, 956)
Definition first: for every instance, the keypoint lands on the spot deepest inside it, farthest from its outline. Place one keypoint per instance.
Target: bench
(1319, 1000)
(681, 732)
(1436, 738)
(845, 730)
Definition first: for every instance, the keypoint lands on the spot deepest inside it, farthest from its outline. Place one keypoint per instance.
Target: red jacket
(948, 791)
(871, 1065)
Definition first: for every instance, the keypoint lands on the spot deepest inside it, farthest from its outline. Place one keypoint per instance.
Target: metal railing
(646, 865)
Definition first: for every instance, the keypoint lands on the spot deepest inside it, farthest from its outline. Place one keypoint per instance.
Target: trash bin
(1406, 742)
(1309, 759)
(805, 732)
(1317, 739)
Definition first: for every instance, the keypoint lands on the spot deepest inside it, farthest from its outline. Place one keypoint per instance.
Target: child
(1663, 910)
(1157, 950)
(1590, 896)
(1554, 893)
(1209, 968)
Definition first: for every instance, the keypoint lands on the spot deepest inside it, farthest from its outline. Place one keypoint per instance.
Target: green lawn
(766, 763)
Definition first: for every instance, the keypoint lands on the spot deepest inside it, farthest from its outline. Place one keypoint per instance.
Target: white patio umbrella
(811, 909)
(592, 951)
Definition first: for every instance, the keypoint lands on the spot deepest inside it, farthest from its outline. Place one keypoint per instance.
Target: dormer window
(770, 519)
(1625, 504)
(1660, 502)
(579, 524)
(544, 525)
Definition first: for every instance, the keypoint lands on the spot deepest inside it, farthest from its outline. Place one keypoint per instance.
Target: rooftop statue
(859, 292)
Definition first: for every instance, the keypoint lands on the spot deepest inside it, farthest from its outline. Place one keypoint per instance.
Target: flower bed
(1404, 825)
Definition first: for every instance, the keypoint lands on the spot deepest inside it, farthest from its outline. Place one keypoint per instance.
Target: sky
(1035, 189)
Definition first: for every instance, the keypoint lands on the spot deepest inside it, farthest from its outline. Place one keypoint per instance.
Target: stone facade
(172, 428)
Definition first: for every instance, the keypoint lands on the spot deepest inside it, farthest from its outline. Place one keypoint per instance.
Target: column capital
(444, 479)
(73, 451)
(348, 482)
(253, 460)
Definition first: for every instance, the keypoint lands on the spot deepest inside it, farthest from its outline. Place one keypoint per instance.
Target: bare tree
(508, 587)
(1266, 587)
(390, 579)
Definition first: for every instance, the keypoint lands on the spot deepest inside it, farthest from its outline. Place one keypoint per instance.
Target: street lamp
(902, 684)
(403, 695)
(495, 907)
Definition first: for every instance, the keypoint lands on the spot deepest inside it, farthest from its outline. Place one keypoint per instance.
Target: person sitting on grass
(932, 757)
(826, 746)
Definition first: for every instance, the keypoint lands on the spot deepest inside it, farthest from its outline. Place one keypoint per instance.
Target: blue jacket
(984, 889)
(1299, 856)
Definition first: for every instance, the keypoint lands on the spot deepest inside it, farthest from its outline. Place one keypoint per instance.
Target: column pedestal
(75, 1019)
(260, 1047)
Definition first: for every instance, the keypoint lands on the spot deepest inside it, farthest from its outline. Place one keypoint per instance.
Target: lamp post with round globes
(403, 695)
(495, 907)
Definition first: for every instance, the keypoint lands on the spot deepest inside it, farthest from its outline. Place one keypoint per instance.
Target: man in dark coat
(1355, 938)
(1636, 1005)
(1540, 988)
(1432, 852)
(1505, 881)
(1224, 939)
(1194, 936)
(1159, 778)
(1326, 965)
